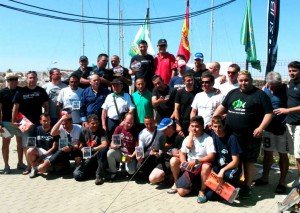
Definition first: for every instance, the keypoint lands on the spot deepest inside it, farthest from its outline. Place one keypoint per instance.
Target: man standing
(183, 101)
(46, 146)
(83, 62)
(293, 109)
(176, 82)
(30, 101)
(142, 100)
(163, 98)
(199, 68)
(249, 112)
(232, 82)
(120, 72)
(69, 99)
(53, 88)
(6, 105)
(164, 62)
(92, 99)
(142, 65)
(214, 68)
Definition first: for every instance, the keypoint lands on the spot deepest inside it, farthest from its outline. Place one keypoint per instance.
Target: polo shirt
(163, 66)
(143, 103)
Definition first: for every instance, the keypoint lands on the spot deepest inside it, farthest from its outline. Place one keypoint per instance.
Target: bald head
(214, 68)
(95, 81)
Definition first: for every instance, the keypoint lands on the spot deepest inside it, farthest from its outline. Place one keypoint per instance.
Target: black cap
(83, 58)
(162, 42)
(117, 81)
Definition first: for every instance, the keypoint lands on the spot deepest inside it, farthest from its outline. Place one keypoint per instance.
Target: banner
(142, 34)
(273, 28)
(184, 46)
(247, 38)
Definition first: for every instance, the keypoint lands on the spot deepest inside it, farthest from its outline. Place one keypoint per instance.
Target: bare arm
(280, 111)
(52, 149)
(221, 110)
(103, 119)
(55, 128)
(233, 164)
(84, 81)
(193, 112)
(46, 107)
(157, 101)
(265, 122)
(15, 112)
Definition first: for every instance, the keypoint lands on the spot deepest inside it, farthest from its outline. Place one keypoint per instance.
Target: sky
(31, 42)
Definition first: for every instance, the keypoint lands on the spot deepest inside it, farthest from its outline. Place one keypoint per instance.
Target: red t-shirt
(129, 138)
(163, 66)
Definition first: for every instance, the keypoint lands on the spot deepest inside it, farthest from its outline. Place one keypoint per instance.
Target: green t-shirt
(143, 105)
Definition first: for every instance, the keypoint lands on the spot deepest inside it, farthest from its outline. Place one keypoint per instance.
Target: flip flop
(201, 198)
(260, 182)
(172, 191)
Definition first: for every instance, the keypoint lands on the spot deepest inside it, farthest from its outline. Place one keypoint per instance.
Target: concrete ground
(61, 193)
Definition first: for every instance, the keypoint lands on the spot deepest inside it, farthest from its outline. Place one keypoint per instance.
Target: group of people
(178, 124)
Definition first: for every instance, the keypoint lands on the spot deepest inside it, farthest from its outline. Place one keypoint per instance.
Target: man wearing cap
(167, 147)
(119, 71)
(164, 62)
(115, 106)
(163, 98)
(198, 69)
(83, 62)
(176, 82)
(142, 65)
(92, 99)
(53, 88)
(6, 105)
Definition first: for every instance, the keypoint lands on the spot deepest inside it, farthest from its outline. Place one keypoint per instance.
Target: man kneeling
(197, 154)
(46, 145)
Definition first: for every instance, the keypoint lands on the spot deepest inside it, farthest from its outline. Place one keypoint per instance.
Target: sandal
(260, 182)
(172, 191)
(280, 189)
(201, 198)
(27, 171)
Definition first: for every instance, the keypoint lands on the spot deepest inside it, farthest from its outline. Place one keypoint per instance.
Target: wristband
(197, 161)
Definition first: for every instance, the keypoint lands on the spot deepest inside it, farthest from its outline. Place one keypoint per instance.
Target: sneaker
(112, 177)
(21, 166)
(33, 172)
(6, 170)
(99, 180)
(245, 192)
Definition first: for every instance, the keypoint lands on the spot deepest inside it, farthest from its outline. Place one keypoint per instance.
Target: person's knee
(156, 176)
(206, 168)
(174, 161)
(183, 192)
(78, 175)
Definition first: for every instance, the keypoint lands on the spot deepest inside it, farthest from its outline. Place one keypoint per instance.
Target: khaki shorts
(12, 129)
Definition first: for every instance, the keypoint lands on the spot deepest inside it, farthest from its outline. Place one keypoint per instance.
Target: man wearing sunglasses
(6, 105)
(164, 62)
(232, 82)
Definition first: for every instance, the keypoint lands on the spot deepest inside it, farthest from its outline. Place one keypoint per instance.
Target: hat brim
(163, 127)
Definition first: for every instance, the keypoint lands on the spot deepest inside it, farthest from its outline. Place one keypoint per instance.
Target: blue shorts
(13, 130)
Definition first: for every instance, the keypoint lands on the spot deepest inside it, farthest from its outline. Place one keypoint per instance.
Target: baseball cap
(11, 75)
(165, 122)
(181, 63)
(162, 42)
(83, 58)
(199, 56)
(117, 81)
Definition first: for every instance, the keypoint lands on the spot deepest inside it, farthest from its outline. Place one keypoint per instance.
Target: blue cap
(165, 122)
(199, 56)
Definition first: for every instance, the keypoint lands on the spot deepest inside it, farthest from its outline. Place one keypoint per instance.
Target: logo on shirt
(239, 104)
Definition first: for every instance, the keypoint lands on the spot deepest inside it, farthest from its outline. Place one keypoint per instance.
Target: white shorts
(277, 143)
(42, 152)
(293, 135)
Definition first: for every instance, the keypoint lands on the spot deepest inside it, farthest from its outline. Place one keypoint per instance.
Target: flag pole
(211, 29)
(82, 25)
(148, 17)
(108, 30)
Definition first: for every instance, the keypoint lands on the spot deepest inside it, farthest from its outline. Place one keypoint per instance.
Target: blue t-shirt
(176, 82)
(226, 147)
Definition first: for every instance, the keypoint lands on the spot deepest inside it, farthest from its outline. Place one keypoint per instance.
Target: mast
(211, 29)
(108, 30)
(82, 26)
(148, 17)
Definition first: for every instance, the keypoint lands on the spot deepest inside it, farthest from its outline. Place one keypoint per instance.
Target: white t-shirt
(75, 133)
(124, 104)
(145, 137)
(71, 99)
(206, 104)
(217, 82)
(202, 147)
(226, 88)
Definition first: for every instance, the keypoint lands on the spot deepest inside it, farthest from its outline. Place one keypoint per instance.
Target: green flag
(142, 34)
(247, 38)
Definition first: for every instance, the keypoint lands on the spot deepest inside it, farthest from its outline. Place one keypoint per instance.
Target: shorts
(293, 135)
(11, 128)
(250, 149)
(277, 143)
(42, 152)
(165, 166)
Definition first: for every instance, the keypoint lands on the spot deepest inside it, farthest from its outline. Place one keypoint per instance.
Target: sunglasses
(233, 73)
(205, 82)
(12, 79)
(162, 45)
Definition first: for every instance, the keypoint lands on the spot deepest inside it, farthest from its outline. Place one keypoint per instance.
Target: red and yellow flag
(184, 47)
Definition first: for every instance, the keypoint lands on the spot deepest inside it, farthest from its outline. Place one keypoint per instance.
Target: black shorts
(250, 149)
(165, 166)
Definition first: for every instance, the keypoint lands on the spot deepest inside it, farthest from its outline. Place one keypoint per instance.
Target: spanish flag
(184, 47)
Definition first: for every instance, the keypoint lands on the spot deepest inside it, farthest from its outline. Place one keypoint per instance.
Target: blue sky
(32, 43)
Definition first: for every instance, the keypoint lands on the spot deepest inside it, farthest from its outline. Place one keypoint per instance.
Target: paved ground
(56, 193)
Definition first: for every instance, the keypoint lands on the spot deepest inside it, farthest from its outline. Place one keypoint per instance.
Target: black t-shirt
(79, 73)
(165, 110)
(146, 70)
(123, 72)
(226, 147)
(197, 78)
(245, 110)
(44, 139)
(185, 99)
(166, 144)
(86, 136)
(6, 97)
(105, 73)
(293, 94)
(31, 102)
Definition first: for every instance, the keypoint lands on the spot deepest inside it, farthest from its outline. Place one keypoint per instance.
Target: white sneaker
(33, 172)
